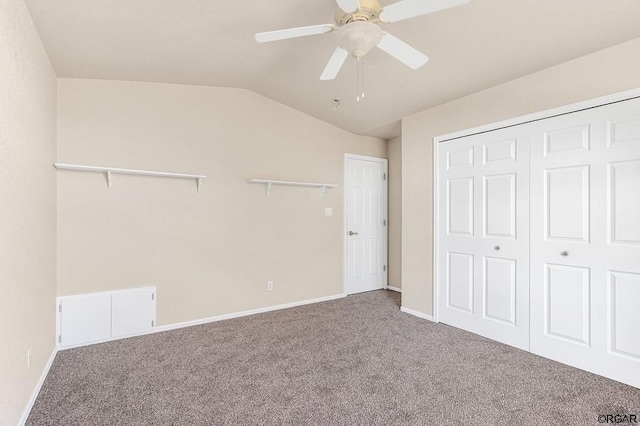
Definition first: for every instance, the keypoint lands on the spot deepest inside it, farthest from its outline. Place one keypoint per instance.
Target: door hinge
(60, 308)
(60, 338)
(384, 268)
(153, 296)
(384, 222)
(384, 176)
(153, 323)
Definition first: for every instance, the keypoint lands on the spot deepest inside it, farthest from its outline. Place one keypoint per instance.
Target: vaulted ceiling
(211, 42)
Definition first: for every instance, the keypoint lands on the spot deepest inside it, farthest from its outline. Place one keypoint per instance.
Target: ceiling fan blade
(294, 32)
(400, 50)
(335, 63)
(406, 9)
(349, 6)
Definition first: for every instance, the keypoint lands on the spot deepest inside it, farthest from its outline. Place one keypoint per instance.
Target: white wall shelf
(270, 182)
(112, 170)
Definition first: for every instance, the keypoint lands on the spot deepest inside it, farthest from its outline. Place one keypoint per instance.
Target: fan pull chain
(360, 78)
(358, 91)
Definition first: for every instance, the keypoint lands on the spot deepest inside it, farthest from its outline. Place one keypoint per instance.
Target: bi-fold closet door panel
(560, 198)
(585, 240)
(483, 235)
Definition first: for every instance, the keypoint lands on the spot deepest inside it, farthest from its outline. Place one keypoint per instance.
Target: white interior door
(483, 258)
(366, 223)
(585, 240)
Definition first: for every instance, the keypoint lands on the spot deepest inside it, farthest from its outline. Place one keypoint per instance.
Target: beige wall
(212, 252)
(609, 71)
(394, 151)
(27, 208)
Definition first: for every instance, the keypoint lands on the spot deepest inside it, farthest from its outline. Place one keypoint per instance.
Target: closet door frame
(566, 109)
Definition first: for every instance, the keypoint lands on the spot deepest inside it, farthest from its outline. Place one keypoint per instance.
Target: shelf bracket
(269, 187)
(199, 183)
(324, 188)
(109, 178)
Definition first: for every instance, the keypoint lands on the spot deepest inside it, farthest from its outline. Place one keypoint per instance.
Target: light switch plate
(328, 211)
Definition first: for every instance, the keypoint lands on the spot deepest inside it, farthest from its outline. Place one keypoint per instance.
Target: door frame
(542, 115)
(385, 200)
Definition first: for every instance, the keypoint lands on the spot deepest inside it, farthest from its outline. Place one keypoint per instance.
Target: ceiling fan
(358, 31)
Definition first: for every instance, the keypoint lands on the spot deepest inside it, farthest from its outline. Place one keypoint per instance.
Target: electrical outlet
(28, 358)
(328, 211)
(270, 286)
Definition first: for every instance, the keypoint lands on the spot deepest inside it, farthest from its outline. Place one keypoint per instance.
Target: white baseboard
(245, 313)
(36, 390)
(417, 314)
(399, 290)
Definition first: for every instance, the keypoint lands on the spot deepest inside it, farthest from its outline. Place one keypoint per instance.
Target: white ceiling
(211, 42)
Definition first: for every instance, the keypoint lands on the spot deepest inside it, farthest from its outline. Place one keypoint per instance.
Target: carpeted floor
(356, 360)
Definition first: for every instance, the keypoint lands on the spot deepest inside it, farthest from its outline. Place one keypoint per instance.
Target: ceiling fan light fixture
(358, 37)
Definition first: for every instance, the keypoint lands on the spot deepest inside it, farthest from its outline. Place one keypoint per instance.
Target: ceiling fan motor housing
(369, 11)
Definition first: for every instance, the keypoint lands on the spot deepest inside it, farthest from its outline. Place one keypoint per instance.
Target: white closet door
(564, 237)
(585, 240)
(620, 256)
(483, 271)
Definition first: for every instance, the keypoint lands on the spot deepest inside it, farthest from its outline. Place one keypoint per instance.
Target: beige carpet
(357, 360)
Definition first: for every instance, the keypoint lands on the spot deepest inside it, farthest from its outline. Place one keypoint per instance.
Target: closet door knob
(353, 233)
(496, 248)
(564, 253)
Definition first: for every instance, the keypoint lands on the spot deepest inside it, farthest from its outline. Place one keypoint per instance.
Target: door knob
(496, 248)
(564, 253)
(353, 233)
